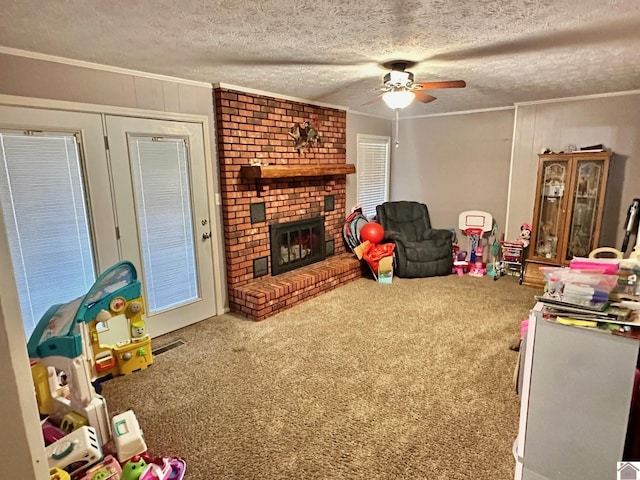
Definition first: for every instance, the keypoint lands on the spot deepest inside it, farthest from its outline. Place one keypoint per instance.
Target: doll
(525, 235)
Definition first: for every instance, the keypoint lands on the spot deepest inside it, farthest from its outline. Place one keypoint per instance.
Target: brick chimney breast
(252, 129)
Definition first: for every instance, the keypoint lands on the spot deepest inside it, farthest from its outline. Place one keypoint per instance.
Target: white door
(60, 235)
(161, 201)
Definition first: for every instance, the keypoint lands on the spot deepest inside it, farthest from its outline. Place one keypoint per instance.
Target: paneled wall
(613, 121)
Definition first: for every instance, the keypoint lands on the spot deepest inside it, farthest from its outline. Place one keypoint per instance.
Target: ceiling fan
(400, 90)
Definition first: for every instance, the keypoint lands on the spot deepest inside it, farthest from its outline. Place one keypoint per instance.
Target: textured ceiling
(331, 51)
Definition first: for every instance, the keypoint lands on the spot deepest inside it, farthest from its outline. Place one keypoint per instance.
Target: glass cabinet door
(586, 189)
(550, 223)
(567, 212)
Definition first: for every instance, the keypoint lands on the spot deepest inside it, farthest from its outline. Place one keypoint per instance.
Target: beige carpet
(412, 380)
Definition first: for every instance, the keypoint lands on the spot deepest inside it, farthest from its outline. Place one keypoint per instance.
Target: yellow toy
(59, 474)
(88, 338)
(117, 339)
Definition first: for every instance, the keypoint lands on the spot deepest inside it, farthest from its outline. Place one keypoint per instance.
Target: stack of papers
(601, 312)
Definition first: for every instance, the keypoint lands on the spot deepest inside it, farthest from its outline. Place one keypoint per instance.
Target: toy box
(76, 451)
(385, 270)
(127, 436)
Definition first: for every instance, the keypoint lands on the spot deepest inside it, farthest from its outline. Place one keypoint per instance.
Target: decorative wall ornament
(303, 136)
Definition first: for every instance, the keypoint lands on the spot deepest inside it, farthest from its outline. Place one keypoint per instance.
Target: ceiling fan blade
(423, 97)
(443, 84)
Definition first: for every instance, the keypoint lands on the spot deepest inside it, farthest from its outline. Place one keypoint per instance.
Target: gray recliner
(421, 251)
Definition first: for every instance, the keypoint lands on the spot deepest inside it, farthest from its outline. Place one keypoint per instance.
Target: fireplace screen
(296, 244)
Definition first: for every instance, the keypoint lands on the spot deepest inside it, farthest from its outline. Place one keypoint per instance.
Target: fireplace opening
(296, 244)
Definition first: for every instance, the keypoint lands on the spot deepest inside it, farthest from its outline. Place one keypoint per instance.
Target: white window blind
(46, 218)
(162, 197)
(373, 172)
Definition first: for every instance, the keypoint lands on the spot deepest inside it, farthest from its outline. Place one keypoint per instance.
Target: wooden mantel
(283, 171)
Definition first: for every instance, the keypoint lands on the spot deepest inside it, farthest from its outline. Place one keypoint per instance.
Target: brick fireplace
(252, 129)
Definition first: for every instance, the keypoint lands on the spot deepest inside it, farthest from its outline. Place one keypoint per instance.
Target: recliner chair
(421, 251)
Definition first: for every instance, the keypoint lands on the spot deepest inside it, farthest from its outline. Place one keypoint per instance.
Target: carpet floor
(412, 380)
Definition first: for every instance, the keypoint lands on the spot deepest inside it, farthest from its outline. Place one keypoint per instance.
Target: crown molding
(461, 112)
(97, 66)
(580, 97)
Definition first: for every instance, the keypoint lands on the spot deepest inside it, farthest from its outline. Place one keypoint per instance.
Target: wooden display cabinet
(567, 214)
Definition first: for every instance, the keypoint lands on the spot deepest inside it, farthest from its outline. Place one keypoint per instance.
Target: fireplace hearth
(296, 244)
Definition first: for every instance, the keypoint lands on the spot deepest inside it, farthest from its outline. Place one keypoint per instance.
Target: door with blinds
(56, 205)
(67, 219)
(160, 192)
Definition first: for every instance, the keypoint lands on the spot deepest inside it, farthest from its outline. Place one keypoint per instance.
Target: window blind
(162, 197)
(373, 172)
(46, 218)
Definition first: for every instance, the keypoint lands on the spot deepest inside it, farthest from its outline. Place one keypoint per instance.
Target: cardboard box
(385, 270)
(359, 250)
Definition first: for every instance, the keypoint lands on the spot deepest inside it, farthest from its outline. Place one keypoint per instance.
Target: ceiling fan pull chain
(397, 115)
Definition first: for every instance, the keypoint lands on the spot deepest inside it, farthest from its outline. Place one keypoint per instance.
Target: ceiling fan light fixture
(397, 78)
(398, 98)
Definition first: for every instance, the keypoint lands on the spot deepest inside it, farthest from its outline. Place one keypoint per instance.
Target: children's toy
(165, 468)
(108, 469)
(513, 254)
(105, 326)
(58, 474)
(493, 266)
(363, 239)
(474, 223)
(460, 264)
(373, 232)
(352, 226)
(117, 340)
(87, 338)
(77, 401)
(127, 436)
(512, 260)
(51, 433)
(478, 270)
(78, 450)
(525, 234)
(133, 468)
(73, 421)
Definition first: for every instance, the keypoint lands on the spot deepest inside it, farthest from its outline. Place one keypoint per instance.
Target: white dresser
(576, 386)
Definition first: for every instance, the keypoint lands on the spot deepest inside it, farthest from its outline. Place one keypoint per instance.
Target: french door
(73, 208)
(160, 192)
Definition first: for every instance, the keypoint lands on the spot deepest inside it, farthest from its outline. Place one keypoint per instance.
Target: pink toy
(478, 270)
(51, 433)
(165, 468)
(107, 469)
(460, 264)
(525, 235)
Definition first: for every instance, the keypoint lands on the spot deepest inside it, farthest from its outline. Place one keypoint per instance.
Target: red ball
(373, 232)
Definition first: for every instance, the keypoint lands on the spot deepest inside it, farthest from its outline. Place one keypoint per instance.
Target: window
(43, 201)
(373, 172)
(162, 198)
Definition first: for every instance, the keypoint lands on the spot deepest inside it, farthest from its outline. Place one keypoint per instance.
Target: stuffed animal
(525, 234)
